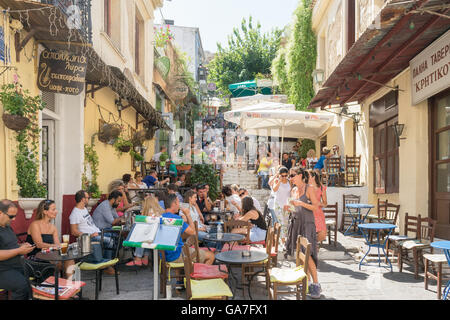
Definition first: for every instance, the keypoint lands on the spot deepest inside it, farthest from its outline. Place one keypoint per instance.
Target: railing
(78, 14)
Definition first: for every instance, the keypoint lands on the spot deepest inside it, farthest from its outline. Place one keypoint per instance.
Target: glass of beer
(64, 247)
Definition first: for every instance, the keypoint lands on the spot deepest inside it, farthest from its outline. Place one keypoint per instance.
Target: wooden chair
(433, 269)
(243, 226)
(412, 226)
(202, 271)
(281, 277)
(347, 199)
(148, 166)
(275, 243)
(248, 269)
(352, 170)
(425, 235)
(203, 289)
(165, 272)
(331, 220)
(333, 171)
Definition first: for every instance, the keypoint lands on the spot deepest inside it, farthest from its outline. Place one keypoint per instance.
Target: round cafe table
(224, 238)
(376, 227)
(445, 246)
(236, 257)
(55, 256)
(357, 217)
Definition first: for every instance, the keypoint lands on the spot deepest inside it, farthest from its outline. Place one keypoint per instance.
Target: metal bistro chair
(99, 267)
(331, 221)
(297, 276)
(347, 199)
(42, 282)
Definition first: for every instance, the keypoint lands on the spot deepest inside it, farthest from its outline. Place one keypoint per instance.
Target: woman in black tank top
(251, 214)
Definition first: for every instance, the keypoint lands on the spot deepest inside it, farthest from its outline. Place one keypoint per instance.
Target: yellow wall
(111, 165)
(413, 194)
(27, 72)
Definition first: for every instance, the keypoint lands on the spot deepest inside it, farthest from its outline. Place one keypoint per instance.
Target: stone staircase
(246, 179)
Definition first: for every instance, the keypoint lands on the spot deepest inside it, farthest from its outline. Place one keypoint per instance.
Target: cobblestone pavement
(338, 274)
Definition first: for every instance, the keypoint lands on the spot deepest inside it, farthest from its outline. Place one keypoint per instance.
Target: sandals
(134, 263)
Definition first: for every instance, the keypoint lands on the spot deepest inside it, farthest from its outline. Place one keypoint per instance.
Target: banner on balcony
(61, 72)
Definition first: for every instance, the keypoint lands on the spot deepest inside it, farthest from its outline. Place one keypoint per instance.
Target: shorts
(193, 256)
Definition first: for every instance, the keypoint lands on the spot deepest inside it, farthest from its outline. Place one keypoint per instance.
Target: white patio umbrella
(296, 124)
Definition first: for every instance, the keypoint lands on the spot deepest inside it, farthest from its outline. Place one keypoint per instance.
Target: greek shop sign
(61, 72)
(430, 70)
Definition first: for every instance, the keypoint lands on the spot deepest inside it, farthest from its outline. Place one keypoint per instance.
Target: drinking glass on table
(65, 238)
(64, 247)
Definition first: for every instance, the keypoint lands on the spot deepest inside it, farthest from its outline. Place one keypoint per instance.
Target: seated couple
(104, 217)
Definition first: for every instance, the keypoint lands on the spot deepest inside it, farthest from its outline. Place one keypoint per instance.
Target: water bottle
(219, 231)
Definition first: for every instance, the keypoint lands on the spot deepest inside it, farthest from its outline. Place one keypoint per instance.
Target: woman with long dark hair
(303, 224)
(251, 214)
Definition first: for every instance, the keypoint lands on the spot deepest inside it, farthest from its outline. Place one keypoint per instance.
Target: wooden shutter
(136, 47)
(107, 17)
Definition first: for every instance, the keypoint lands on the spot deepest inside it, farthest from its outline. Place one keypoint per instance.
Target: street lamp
(398, 130)
(318, 76)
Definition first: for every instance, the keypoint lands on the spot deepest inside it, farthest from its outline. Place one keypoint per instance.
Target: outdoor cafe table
(226, 237)
(235, 257)
(357, 217)
(55, 256)
(378, 227)
(444, 245)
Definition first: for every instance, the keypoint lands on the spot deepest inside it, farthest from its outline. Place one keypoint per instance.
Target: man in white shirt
(82, 222)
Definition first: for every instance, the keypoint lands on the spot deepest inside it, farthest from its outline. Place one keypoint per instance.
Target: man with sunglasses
(12, 276)
(282, 189)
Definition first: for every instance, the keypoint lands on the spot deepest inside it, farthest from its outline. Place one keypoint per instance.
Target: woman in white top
(190, 204)
(282, 190)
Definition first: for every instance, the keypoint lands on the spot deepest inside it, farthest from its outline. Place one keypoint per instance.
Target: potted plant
(163, 158)
(136, 156)
(184, 167)
(21, 112)
(109, 132)
(122, 145)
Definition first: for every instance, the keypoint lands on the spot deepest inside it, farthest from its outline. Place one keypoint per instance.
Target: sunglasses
(242, 194)
(293, 175)
(11, 217)
(284, 175)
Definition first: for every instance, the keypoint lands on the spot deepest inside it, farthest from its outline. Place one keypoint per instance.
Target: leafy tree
(295, 63)
(249, 53)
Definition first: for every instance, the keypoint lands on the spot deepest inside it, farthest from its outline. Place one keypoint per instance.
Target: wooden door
(440, 163)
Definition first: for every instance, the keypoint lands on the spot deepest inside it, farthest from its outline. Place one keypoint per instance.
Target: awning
(241, 102)
(56, 37)
(248, 88)
(296, 124)
(235, 115)
(401, 30)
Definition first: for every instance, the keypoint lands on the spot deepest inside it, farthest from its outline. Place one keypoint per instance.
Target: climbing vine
(293, 68)
(17, 101)
(91, 160)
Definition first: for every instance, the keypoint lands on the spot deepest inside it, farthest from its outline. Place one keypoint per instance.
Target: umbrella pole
(282, 142)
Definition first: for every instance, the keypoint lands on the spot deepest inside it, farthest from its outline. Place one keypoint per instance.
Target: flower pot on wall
(125, 149)
(15, 122)
(184, 167)
(92, 202)
(108, 133)
(28, 205)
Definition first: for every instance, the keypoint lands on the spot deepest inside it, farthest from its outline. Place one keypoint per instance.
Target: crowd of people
(296, 201)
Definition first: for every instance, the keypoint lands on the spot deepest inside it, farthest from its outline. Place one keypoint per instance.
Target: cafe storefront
(398, 72)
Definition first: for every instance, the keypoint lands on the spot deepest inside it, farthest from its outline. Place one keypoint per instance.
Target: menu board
(154, 233)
